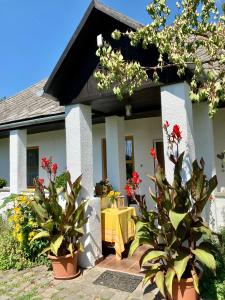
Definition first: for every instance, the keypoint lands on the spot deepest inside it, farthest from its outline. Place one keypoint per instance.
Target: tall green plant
(174, 232)
(62, 228)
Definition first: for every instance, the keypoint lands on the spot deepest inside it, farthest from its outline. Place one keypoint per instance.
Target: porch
(85, 144)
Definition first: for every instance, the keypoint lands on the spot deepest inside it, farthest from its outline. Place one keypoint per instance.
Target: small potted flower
(62, 228)
(113, 198)
(174, 231)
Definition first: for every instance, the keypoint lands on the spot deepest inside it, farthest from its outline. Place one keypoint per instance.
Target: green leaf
(160, 282)
(39, 235)
(180, 265)
(205, 258)
(153, 255)
(196, 280)
(70, 248)
(176, 218)
(45, 250)
(169, 280)
(56, 242)
(133, 247)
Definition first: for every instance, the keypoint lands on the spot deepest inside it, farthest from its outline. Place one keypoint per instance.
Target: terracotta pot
(65, 267)
(184, 290)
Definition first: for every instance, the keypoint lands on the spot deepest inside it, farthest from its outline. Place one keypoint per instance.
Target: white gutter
(30, 122)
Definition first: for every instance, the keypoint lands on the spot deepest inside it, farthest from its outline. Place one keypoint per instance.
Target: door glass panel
(32, 165)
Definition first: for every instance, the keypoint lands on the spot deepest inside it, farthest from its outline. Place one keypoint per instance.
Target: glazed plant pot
(184, 290)
(64, 267)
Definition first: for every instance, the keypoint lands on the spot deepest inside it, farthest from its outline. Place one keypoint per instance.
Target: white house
(90, 133)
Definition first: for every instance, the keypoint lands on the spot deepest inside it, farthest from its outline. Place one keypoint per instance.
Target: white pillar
(204, 143)
(79, 155)
(177, 109)
(18, 160)
(115, 145)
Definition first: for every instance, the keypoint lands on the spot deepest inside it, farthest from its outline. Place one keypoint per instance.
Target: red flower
(41, 181)
(54, 168)
(153, 153)
(176, 133)
(136, 178)
(166, 125)
(45, 163)
(129, 190)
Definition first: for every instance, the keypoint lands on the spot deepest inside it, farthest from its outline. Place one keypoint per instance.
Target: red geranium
(153, 153)
(54, 168)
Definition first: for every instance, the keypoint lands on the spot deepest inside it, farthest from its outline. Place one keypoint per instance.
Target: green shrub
(212, 287)
(3, 182)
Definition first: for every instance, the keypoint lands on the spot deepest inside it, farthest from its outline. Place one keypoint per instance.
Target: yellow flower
(31, 235)
(17, 210)
(19, 237)
(31, 223)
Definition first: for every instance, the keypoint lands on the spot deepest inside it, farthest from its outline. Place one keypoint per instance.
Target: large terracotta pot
(184, 290)
(65, 267)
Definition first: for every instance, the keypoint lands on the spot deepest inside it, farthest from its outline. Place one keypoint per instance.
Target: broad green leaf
(196, 280)
(133, 247)
(70, 248)
(169, 280)
(205, 258)
(40, 235)
(180, 265)
(149, 275)
(160, 282)
(176, 218)
(56, 242)
(153, 255)
(45, 250)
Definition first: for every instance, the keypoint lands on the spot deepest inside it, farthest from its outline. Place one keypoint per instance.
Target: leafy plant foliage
(194, 41)
(62, 228)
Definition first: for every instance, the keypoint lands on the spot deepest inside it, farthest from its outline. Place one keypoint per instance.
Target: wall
(144, 132)
(219, 144)
(50, 144)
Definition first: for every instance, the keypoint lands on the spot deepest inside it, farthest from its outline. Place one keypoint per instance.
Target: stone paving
(38, 283)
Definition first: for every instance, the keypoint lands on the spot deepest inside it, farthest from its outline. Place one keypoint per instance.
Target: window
(32, 165)
(129, 151)
(158, 145)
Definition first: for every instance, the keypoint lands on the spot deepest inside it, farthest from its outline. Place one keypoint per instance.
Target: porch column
(18, 160)
(177, 109)
(115, 148)
(204, 142)
(79, 155)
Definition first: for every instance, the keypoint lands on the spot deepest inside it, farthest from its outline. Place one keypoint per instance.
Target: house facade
(90, 133)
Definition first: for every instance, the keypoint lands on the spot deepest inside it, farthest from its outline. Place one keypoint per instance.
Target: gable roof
(29, 104)
(78, 61)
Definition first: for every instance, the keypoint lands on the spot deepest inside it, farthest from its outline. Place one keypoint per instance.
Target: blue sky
(35, 32)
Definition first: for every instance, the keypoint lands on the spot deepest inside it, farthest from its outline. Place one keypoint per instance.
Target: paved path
(38, 284)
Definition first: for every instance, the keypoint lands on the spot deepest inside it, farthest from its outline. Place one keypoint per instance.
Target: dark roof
(28, 104)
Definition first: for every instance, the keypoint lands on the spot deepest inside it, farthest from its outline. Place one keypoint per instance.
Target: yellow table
(118, 227)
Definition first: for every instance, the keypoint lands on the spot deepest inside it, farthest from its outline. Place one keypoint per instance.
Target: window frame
(130, 161)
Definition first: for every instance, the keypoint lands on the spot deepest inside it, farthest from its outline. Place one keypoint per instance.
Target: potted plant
(62, 228)
(3, 183)
(175, 231)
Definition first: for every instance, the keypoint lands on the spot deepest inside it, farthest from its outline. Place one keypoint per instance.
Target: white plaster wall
(144, 132)
(219, 144)
(4, 159)
(52, 144)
